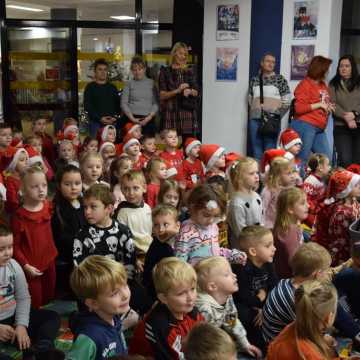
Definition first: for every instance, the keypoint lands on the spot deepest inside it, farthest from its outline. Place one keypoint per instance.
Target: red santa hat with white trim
(34, 156)
(69, 131)
(341, 183)
(289, 138)
(10, 158)
(102, 134)
(104, 145)
(130, 127)
(270, 155)
(128, 141)
(190, 143)
(210, 154)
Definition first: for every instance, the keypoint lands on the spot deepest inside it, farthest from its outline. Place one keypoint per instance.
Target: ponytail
(314, 301)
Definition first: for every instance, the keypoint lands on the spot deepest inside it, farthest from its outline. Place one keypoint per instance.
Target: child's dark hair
(5, 230)
(29, 139)
(315, 160)
(64, 170)
(114, 166)
(217, 180)
(100, 192)
(87, 141)
(146, 136)
(202, 194)
(100, 61)
(166, 186)
(137, 60)
(5, 125)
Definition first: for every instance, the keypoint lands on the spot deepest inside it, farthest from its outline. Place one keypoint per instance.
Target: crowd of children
(180, 248)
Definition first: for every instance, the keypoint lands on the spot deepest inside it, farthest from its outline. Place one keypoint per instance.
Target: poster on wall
(226, 63)
(301, 56)
(306, 19)
(227, 25)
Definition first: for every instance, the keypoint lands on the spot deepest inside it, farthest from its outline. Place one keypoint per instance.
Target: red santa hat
(190, 143)
(210, 154)
(104, 145)
(128, 141)
(271, 154)
(130, 127)
(10, 158)
(341, 183)
(231, 157)
(34, 156)
(355, 168)
(102, 134)
(69, 131)
(289, 138)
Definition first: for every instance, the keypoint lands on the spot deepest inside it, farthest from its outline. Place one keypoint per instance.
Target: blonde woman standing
(179, 93)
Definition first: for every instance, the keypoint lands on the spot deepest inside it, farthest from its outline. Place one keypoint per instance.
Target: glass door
(40, 75)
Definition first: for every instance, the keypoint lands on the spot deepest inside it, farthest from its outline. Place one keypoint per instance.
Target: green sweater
(101, 100)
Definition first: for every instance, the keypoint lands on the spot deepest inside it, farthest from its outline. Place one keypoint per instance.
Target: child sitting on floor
(100, 283)
(162, 332)
(217, 283)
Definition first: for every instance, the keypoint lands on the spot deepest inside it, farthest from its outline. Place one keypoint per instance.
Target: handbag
(270, 122)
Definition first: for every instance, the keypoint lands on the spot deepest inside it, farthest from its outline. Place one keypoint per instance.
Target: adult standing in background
(179, 93)
(345, 93)
(312, 108)
(139, 98)
(101, 99)
(276, 100)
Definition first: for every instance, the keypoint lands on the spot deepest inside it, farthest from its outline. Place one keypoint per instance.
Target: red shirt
(193, 173)
(48, 149)
(33, 238)
(12, 184)
(174, 160)
(144, 159)
(309, 92)
(151, 195)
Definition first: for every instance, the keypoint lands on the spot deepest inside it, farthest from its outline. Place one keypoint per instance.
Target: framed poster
(227, 24)
(301, 56)
(306, 19)
(226, 63)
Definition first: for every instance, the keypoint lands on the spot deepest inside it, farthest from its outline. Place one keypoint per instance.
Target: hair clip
(211, 205)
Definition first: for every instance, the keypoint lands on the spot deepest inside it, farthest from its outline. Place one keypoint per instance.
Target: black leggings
(43, 328)
(347, 144)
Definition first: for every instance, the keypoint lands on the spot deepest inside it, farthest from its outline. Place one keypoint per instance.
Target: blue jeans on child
(260, 143)
(313, 139)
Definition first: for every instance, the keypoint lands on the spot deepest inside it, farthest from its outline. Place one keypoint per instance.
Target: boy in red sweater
(192, 167)
(34, 247)
(172, 156)
(38, 128)
(170, 320)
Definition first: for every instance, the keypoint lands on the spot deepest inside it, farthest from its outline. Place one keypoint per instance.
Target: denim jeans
(260, 143)
(313, 139)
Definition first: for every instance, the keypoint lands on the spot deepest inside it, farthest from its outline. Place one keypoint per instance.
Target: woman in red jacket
(312, 107)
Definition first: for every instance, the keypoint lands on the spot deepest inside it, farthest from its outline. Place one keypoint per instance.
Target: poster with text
(227, 25)
(226, 63)
(306, 19)
(301, 56)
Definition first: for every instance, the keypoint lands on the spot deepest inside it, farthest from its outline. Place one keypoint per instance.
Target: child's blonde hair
(204, 268)
(314, 301)
(70, 121)
(278, 166)
(164, 133)
(168, 185)
(89, 155)
(171, 272)
(208, 342)
(315, 160)
(237, 169)
(115, 166)
(163, 210)
(95, 274)
(100, 192)
(308, 259)
(34, 169)
(286, 201)
(152, 165)
(134, 175)
(251, 236)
